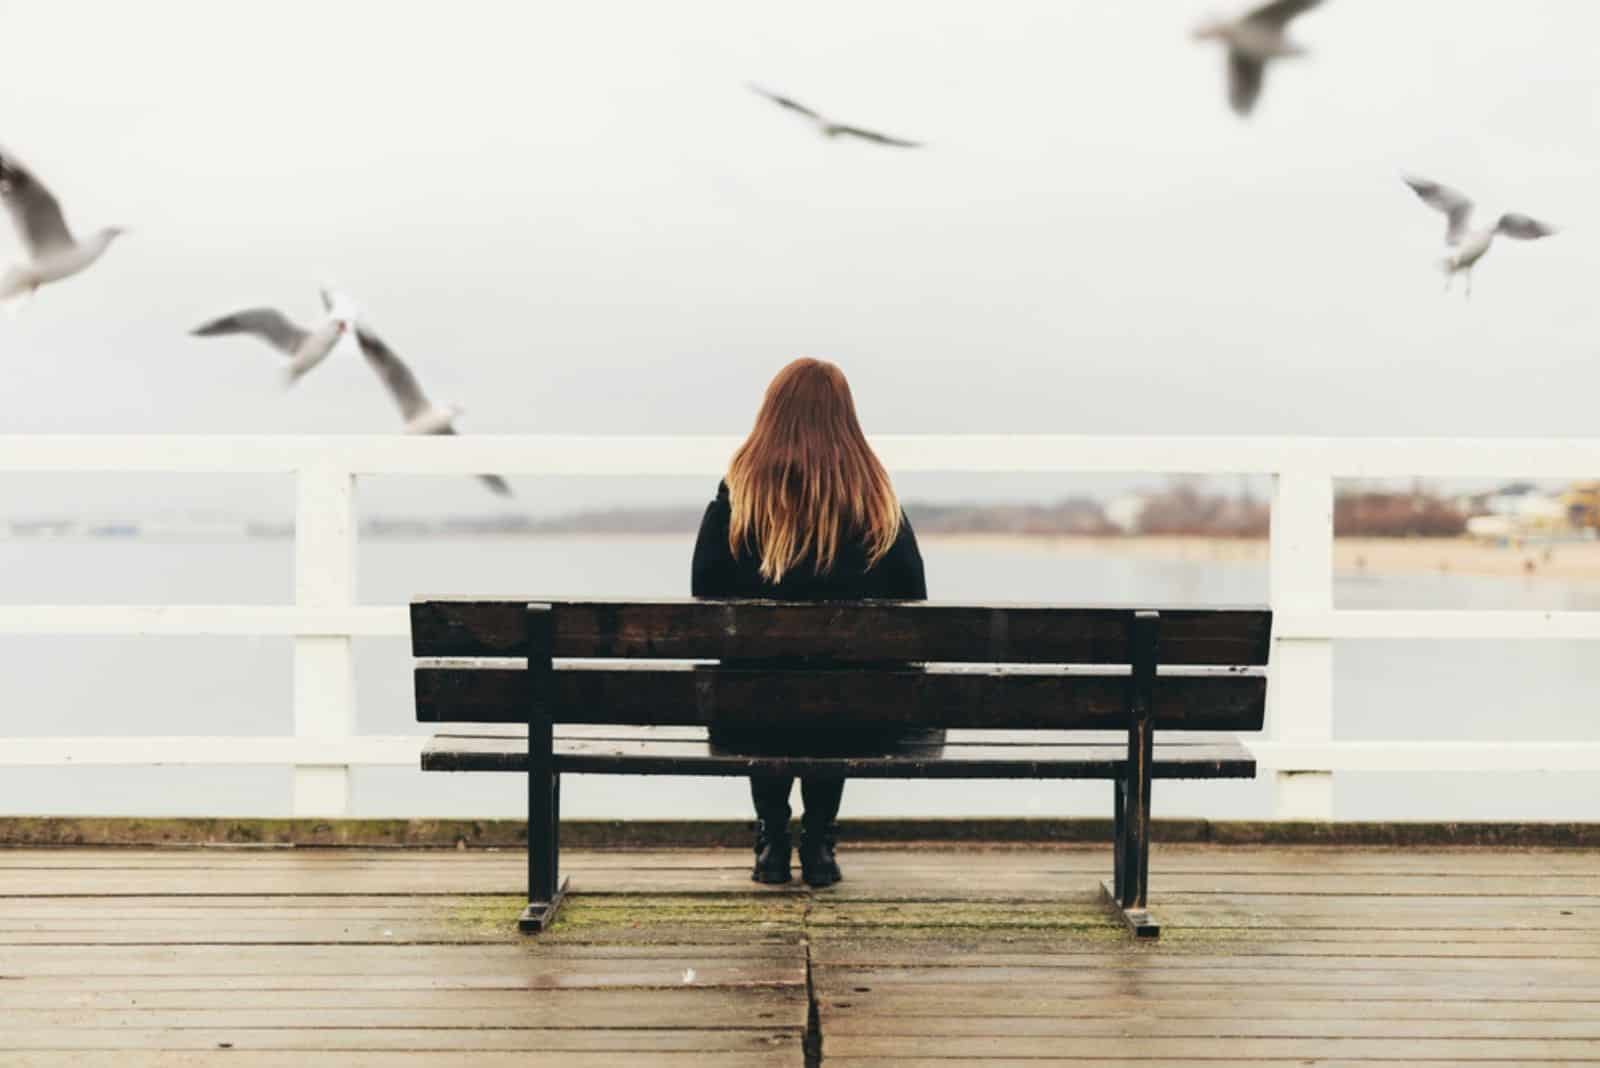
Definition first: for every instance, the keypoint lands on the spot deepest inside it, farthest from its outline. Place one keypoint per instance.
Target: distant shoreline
(1579, 560)
(1571, 561)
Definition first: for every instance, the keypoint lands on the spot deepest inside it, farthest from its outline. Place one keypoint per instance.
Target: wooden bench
(628, 688)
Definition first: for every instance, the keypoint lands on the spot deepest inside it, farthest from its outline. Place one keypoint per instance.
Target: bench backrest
(838, 664)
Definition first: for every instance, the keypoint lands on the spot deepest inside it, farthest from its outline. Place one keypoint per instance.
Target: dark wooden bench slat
(884, 630)
(619, 732)
(935, 697)
(1221, 759)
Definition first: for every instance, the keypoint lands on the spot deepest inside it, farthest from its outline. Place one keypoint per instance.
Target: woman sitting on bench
(806, 513)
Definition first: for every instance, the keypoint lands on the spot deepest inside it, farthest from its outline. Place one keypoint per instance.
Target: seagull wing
(875, 137)
(1522, 227)
(34, 209)
(1244, 81)
(1278, 13)
(396, 376)
(1455, 205)
(785, 102)
(494, 482)
(268, 324)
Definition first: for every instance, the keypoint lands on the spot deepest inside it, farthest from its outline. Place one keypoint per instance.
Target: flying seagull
(828, 128)
(53, 253)
(1470, 246)
(422, 416)
(305, 348)
(1253, 40)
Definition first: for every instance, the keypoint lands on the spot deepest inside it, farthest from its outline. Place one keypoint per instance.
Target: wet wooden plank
(1157, 996)
(483, 1037)
(1172, 1062)
(923, 631)
(234, 1058)
(1231, 1049)
(1316, 862)
(517, 962)
(1242, 1022)
(1416, 955)
(558, 1009)
(1325, 1014)
(936, 696)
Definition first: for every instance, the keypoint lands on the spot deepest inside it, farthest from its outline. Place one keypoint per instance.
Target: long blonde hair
(805, 480)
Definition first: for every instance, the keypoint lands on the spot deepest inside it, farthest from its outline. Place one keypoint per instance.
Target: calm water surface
(227, 686)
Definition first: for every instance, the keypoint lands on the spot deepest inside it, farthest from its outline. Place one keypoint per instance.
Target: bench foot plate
(1138, 921)
(539, 915)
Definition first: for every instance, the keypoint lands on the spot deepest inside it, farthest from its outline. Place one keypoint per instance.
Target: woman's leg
(770, 793)
(819, 831)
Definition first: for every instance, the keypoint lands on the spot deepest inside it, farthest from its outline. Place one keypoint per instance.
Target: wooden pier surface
(1270, 955)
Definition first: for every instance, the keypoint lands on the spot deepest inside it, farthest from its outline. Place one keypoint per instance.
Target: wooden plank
(1312, 862)
(1579, 978)
(929, 1007)
(921, 631)
(234, 1058)
(872, 866)
(938, 696)
(1230, 1049)
(752, 1042)
(1157, 997)
(204, 1007)
(450, 752)
(1165, 1062)
(512, 961)
(861, 1021)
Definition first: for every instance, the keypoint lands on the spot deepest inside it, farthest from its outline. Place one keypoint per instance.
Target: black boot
(819, 831)
(772, 850)
(818, 865)
(771, 796)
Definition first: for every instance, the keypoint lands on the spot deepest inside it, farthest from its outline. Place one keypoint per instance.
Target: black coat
(897, 576)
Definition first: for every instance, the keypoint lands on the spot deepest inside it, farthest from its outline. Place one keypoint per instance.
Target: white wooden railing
(1299, 746)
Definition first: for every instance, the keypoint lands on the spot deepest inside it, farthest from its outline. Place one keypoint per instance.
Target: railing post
(1300, 694)
(324, 675)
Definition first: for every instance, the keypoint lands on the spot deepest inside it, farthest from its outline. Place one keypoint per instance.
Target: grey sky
(574, 218)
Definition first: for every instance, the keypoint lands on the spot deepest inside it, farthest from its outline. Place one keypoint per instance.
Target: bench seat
(966, 754)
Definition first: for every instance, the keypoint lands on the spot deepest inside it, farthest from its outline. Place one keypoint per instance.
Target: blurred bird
(1253, 40)
(828, 128)
(53, 253)
(422, 416)
(305, 348)
(1470, 247)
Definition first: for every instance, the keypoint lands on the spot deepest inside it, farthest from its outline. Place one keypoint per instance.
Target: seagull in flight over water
(422, 416)
(305, 347)
(1253, 40)
(828, 128)
(53, 253)
(1470, 247)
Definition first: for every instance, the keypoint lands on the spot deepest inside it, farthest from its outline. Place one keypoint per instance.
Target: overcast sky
(574, 218)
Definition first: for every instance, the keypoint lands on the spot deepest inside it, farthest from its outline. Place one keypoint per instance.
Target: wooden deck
(1270, 956)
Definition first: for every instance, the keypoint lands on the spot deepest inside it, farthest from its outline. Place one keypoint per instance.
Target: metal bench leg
(1119, 835)
(1132, 819)
(546, 888)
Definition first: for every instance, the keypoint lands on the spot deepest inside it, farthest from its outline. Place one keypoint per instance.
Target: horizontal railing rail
(325, 616)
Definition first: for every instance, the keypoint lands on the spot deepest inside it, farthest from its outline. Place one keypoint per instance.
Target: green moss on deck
(482, 916)
(973, 915)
